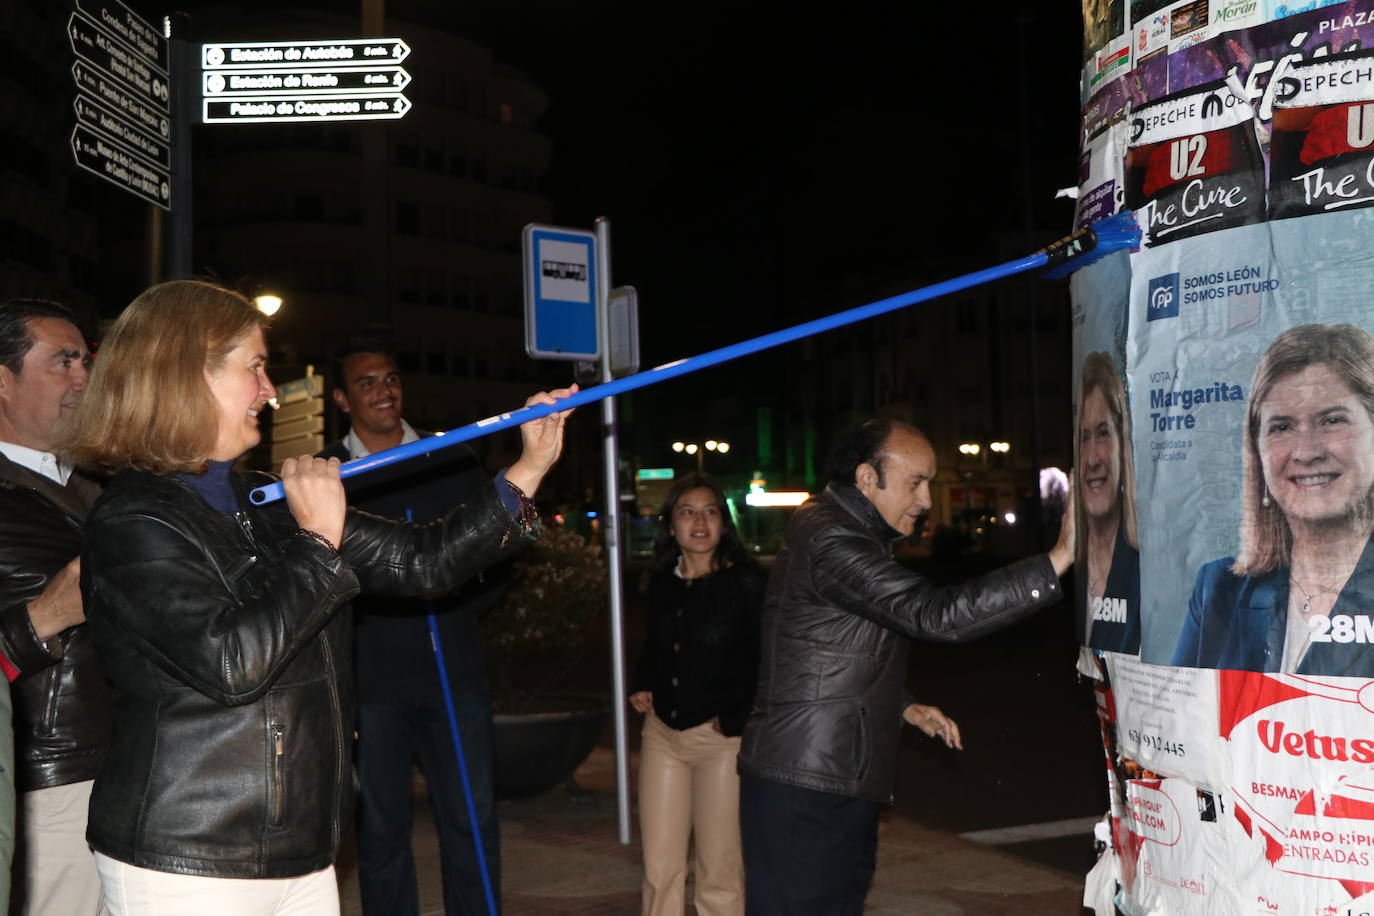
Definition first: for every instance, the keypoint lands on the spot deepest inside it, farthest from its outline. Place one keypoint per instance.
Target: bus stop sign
(560, 293)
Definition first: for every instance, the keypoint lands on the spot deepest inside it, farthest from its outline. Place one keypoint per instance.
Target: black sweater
(701, 650)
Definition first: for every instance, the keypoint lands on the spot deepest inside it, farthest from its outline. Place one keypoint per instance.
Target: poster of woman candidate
(1109, 594)
(1253, 398)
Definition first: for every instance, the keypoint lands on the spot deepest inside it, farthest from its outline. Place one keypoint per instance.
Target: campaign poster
(1108, 597)
(1194, 164)
(1322, 147)
(1252, 390)
(1302, 787)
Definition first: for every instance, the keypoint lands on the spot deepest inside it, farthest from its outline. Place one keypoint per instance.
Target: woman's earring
(1265, 501)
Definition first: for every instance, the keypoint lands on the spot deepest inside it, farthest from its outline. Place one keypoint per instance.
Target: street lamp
(267, 303)
(692, 448)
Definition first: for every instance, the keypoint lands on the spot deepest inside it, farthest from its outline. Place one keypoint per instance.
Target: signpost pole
(611, 528)
(184, 67)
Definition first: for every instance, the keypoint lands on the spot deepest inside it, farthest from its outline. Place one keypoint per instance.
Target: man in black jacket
(61, 700)
(401, 712)
(820, 746)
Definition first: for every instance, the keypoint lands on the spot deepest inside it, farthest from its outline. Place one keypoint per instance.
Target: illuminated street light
(710, 445)
(267, 304)
(970, 448)
(1000, 447)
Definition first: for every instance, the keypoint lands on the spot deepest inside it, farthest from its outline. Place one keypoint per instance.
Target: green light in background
(654, 474)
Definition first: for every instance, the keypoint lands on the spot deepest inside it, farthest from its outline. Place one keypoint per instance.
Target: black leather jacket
(61, 701)
(828, 710)
(232, 672)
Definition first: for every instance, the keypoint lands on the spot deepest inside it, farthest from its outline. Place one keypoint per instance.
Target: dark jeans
(806, 852)
(390, 735)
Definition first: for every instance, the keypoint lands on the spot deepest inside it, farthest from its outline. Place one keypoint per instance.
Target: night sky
(765, 165)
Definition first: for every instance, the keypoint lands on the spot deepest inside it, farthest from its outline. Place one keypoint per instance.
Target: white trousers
(59, 870)
(132, 891)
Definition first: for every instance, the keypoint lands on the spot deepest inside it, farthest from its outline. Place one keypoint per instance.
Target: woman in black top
(694, 683)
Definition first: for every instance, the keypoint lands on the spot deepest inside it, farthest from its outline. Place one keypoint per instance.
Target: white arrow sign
(343, 52)
(305, 108)
(322, 81)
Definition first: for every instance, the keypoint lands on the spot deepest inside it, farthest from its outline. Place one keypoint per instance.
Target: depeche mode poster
(1322, 152)
(1194, 164)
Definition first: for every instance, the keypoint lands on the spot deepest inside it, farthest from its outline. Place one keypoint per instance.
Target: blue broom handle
(474, 823)
(273, 492)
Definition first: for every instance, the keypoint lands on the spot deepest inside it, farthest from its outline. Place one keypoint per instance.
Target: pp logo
(1163, 301)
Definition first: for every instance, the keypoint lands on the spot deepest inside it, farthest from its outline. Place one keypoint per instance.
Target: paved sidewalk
(560, 856)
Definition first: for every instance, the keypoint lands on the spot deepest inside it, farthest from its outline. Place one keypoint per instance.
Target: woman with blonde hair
(1298, 595)
(227, 788)
(1106, 509)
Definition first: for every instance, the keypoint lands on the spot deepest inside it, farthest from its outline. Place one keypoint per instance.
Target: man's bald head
(891, 463)
(866, 443)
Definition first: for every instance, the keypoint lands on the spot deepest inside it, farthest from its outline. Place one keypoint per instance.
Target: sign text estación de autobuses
(290, 53)
(267, 82)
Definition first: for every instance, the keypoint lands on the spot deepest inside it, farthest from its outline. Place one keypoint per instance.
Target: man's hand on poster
(930, 720)
(1062, 553)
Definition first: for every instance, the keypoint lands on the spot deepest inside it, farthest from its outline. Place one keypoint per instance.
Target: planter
(536, 751)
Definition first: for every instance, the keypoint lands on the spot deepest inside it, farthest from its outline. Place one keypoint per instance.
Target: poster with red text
(1177, 836)
(1301, 755)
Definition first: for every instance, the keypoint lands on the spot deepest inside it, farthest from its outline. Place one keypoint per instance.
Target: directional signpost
(123, 125)
(354, 79)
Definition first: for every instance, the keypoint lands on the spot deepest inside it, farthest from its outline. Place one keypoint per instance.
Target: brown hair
(1100, 374)
(1266, 542)
(147, 405)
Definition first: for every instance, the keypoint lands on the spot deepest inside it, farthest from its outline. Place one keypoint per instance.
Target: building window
(406, 151)
(407, 218)
(435, 292)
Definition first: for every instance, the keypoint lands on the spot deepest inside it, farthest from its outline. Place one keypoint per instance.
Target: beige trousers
(688, 786)
(60, 877)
